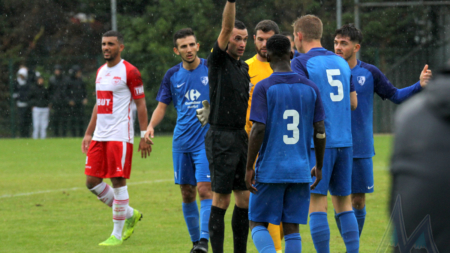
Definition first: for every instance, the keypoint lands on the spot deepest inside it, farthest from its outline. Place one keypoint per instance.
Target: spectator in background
(21, 88)
(76, 95)
(58, 98)
(291, 39)
(38, 100)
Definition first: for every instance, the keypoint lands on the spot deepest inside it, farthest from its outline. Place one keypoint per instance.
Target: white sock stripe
(76, 189)
(121, 202)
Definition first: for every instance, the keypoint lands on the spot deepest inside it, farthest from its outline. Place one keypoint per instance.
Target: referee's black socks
(217, 228)
(240, 226)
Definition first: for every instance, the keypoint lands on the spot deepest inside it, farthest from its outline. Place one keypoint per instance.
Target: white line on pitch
(77, 188)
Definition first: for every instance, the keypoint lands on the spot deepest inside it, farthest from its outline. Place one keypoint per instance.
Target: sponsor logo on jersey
(139, 90)
(104, 102)
(369, 187)
(116, 80)
(179, 85)
(192, 96)
(108, 74)
(204, 80)
(361, 80)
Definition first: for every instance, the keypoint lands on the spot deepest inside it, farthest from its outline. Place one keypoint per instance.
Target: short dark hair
(239, 25)
(350, 31)
(266, 26)
(279, 45)
(182, 33)
(288, 34)
(114, 34)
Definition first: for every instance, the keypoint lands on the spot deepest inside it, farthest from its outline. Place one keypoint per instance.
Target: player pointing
(109, 148)
(368, 80)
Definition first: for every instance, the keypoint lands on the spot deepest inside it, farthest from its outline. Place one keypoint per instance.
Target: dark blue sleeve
(352, 85)
(259, 110)
(401, 95)
(298, 67)
(381, 84)
(164, 94)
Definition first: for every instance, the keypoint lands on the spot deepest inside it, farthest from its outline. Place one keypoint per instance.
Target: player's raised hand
(85, 143)
(425, 76)
(318, 174)
(145, 148)
(250, 180)
(203, 113)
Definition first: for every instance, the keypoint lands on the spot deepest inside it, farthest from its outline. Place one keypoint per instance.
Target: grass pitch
(45, 206)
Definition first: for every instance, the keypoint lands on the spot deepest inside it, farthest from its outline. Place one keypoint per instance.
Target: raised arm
(229, 14)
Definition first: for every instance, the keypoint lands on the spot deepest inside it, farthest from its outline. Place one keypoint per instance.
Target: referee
(226, 141)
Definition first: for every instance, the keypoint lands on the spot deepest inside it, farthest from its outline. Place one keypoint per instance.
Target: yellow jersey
(258, 71)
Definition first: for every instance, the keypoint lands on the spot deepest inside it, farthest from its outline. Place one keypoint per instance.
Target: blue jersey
(368, 80)
(332, 75)
(288, 105)
(187, 89)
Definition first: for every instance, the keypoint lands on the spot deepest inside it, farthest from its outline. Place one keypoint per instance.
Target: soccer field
(45, 206)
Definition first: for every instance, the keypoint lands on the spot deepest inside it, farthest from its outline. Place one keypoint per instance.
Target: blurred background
(60, 42)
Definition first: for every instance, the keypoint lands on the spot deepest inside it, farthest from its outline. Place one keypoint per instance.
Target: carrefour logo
(192, 95)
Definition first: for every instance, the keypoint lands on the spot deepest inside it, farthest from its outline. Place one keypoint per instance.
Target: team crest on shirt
(361, 80)
(204, 80)
(116, 80)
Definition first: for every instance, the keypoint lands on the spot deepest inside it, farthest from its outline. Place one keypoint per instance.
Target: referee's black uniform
(226, 142)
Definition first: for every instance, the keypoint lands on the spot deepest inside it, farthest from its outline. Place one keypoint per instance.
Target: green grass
(45, 206)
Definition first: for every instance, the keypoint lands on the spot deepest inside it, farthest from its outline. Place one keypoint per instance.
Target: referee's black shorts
(226, 150)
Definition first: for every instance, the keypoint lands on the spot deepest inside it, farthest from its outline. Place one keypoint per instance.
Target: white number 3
(335, 83)
(292, 127)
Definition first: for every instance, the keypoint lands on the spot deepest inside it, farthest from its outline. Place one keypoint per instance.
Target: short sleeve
(259, 110)
(298, 67)
(217, 56)
(381, 84)
(134, 83)
(164, 94)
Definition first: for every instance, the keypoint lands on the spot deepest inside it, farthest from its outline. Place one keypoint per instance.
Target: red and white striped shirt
(115, 88)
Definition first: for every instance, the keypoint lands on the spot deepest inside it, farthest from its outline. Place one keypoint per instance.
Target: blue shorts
(362, 175)
(280, 202)
(336, 171)
(190, 168)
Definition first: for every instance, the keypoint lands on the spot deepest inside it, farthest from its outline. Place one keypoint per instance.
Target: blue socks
(263, 241)
(205, 211)
(360, 218)
(293, 243)
(350, 232)
(338, 222)
(320, 231)
(191, 216)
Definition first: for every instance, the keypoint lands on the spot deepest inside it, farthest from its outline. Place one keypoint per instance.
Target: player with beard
(259, 69)
(368, 80)
(108, 141)
(186, 85)
(226, 141)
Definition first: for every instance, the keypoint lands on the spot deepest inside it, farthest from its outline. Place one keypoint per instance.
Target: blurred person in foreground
(291, 39)
(368, 80)
(57, 86)
(77, 99)
(21, 88)
(286, 112)
(38, 99)
(420, 170)
(109, 137)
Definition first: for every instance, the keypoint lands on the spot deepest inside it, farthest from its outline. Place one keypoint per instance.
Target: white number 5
(292, 126)
(335, 83)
